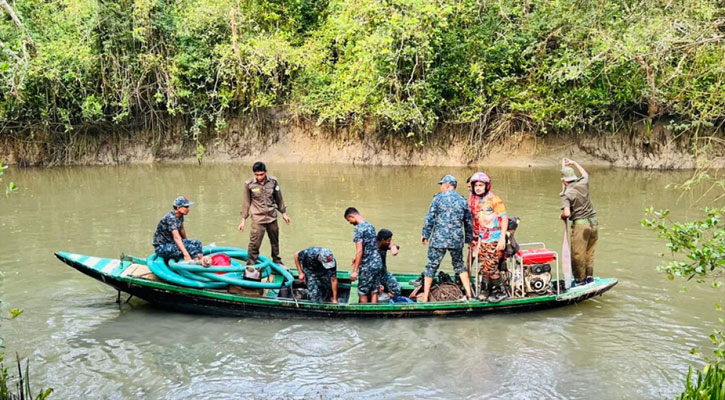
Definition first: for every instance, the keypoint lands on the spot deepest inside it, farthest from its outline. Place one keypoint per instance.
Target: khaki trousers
(255, 241)
(583, 242)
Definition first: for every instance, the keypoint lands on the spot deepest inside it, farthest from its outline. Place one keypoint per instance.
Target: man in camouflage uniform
(367, 263)
(170, 242)
(385, 243)
(490, 226)
(262, 199)
(317, 268)
(447, 219)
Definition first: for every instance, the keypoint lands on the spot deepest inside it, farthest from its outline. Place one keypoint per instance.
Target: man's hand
(302, 277)
(187, 257)
(567, 162)
(394, 250)
(501, 245)
(353, 276)
(286, 219)
(242, 225)
(423, 239)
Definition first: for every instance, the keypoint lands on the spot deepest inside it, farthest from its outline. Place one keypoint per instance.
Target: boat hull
(216, 302)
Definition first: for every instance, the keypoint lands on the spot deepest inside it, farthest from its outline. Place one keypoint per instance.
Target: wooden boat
(133, 276)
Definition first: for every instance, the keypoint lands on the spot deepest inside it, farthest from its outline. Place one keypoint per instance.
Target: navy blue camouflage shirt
(365, 233)
(168, 224)
(310, 261)
(447, 218)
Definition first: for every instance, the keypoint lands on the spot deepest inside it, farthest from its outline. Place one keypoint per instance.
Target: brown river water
(631, 343)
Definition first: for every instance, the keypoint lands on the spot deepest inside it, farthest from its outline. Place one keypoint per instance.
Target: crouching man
(389, 284)
(317, 268)
(170, 242)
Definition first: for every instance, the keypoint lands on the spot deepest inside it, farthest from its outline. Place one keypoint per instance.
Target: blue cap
(182, 201)
(450, 179)
(327, 259)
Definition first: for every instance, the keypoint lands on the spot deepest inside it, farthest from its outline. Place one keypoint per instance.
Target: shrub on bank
(409, 65)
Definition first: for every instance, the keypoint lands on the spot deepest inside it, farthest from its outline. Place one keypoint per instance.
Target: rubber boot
(497, 292)
(485, 289)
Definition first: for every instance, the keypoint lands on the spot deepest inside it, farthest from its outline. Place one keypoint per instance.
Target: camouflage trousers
(391, 285)
(317, 286)
(170, 251)
(435, 256)
(370, 277)
(488, 260)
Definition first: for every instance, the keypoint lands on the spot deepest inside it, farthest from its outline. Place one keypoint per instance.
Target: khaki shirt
(576, 197)
(262, 200)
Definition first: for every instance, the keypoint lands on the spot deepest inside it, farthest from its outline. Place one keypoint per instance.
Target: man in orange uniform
(490, 223)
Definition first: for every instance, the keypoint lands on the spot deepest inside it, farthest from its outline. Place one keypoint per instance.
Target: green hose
(196, 276)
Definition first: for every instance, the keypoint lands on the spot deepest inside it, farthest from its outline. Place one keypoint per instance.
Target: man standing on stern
(447, 220)
(262, 200)
(576, 205)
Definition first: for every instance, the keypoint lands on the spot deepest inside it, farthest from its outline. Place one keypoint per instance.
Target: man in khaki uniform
(262, 199)
(577, 207)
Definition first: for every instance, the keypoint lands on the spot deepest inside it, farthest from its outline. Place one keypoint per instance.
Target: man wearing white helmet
(490, 223)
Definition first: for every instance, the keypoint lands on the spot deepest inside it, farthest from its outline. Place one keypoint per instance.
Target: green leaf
(15, 312)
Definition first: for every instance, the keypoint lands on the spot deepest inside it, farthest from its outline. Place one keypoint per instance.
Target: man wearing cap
(577, 206)
(447, 226)
(170, 242)
(317, 268)
(262, 199)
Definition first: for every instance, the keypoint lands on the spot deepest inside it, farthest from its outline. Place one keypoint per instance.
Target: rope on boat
(445, 292)
(197, 276)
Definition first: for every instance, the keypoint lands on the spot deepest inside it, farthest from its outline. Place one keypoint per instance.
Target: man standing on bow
(447, 226)
(262, 200)
(576, 205)
(170, 241)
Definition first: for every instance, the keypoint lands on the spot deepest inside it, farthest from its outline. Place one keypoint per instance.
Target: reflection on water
(631, 343)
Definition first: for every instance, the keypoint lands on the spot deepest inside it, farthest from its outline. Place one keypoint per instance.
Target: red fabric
(221, 260)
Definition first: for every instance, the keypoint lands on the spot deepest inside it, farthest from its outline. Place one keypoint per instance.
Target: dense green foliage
(709, 385)
(702, 242)
(405, 65)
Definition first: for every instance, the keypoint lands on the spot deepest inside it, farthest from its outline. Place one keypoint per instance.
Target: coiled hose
(197, 276)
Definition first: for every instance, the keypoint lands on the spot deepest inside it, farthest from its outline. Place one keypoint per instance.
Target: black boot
(485, 290)
(417, 282)
(497, 291)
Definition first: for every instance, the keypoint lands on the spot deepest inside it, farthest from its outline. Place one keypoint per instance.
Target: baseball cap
(449, 179)
(327, 259)
(182, 201)
(568, 174)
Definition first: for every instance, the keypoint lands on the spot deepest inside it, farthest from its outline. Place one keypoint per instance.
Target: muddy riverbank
(276, 137)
